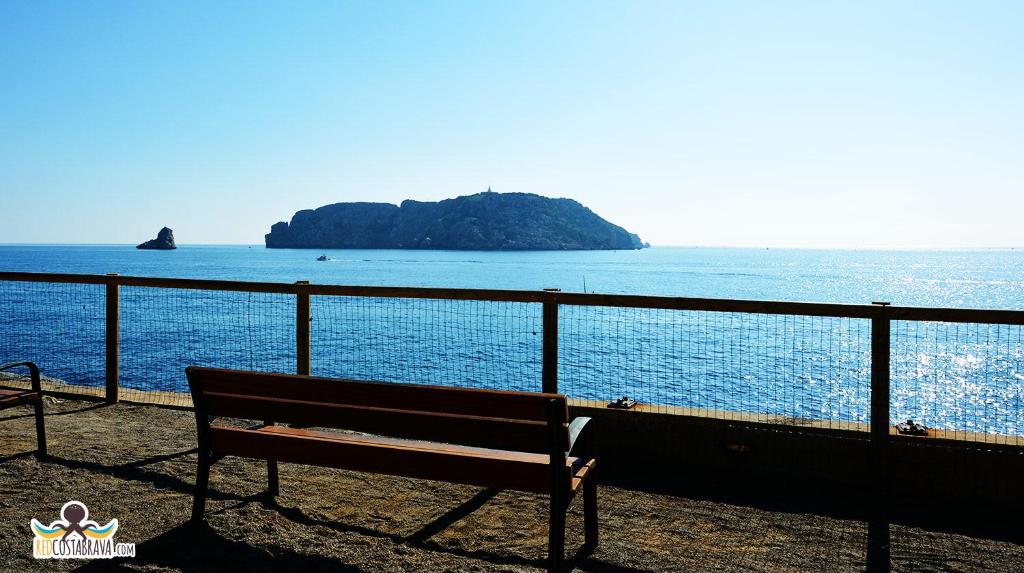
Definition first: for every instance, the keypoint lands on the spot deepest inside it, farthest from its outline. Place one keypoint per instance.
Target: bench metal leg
(556, 536)
(273, 487)
(40, 429)
(590, 512)
(202, 483)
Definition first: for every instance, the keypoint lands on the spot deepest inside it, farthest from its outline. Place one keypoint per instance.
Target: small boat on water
(322, 258)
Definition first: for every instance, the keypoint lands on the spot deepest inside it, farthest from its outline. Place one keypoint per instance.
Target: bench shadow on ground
(190, 547)
(136, 471)
(201, 548)
(26, 412)
(583, 559)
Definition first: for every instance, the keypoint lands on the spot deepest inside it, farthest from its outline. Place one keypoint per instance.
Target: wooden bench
(16, 397)
(495, 439)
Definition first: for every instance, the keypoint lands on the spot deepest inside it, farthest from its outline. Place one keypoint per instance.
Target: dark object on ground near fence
(15, 397)
(623, 403)
(164, 241)
(498, 439)
(911, 428)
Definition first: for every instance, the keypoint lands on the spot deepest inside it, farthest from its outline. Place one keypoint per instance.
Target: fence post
(113, 338)
(880, 356)
(549, 374)
(302, 319)
(878, 526)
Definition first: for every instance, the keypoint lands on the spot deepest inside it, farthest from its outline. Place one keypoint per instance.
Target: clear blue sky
(815, 123)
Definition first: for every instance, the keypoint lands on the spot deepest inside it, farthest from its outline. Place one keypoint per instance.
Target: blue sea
(981, 279)
(963, 377)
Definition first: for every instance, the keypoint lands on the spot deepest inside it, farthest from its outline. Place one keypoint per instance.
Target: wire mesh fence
(58, 325)
(964, 380)
(762, 367)
(165, 329)
(466, 343)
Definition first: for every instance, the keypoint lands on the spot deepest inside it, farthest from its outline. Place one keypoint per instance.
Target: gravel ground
(137, 464)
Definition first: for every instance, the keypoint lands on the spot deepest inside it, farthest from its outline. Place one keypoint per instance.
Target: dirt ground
(137, 463)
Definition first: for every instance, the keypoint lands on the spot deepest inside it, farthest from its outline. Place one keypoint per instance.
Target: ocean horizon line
(893, 248)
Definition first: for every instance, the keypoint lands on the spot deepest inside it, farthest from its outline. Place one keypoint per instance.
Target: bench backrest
(496, 419)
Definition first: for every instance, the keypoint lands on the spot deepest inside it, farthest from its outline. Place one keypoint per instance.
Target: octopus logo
(75, 536)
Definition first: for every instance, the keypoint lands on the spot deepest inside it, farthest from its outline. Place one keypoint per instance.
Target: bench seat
(419, 459)
(10, 397)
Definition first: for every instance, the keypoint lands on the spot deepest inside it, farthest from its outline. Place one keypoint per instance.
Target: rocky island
(484, 221)
(164, 241)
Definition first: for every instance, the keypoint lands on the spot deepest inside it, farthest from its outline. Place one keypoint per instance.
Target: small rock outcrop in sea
(485, 221)
(164, 241)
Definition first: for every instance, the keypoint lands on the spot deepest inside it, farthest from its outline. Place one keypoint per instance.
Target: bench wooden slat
(401, 443)
(579, 468)
(13, 397)
(493, 468)
(478, 431)
(441, 399)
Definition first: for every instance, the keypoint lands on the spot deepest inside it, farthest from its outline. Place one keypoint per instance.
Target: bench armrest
(581, 438)
(33, 372)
